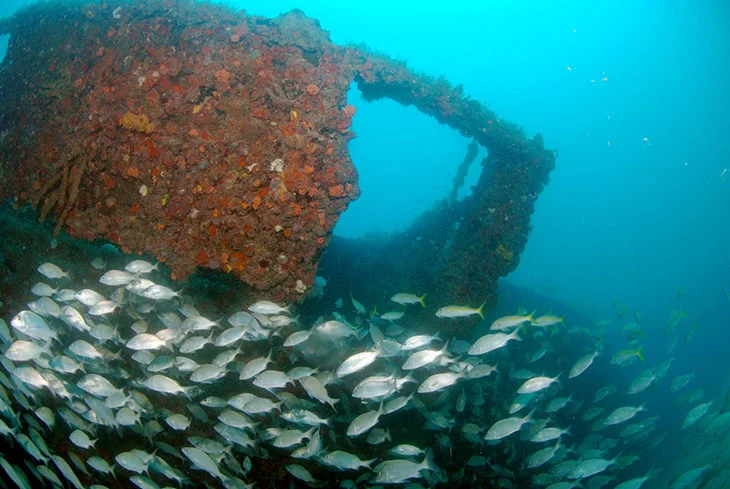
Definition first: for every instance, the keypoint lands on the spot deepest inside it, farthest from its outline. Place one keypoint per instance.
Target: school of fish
(122, 382)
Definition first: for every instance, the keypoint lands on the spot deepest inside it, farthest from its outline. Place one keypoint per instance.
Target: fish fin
(420, 299)
(479, 310)
(530, 317)
(429, 462)
(639, 354)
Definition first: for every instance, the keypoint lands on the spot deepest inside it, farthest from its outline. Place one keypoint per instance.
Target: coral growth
(504, 253)
(137, 123)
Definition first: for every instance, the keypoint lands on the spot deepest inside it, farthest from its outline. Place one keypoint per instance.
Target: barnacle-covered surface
(190, 132)
(207, 137)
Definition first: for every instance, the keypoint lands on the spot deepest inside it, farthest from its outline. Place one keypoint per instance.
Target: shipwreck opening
(407, 162)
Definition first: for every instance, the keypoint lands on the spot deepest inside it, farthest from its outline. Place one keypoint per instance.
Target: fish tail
(420, 299)
(479, 310)
(429, 462)
(639, 354)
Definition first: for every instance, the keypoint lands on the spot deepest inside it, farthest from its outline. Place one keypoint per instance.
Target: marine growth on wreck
(205, 137)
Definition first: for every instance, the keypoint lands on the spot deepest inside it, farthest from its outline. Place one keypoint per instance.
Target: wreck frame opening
(407, 162)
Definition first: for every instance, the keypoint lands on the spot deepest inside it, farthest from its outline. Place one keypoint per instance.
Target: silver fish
(34, 326)
(115, 278)
(317, 391)
(81, 439)
(582, 365)
(345, 461)
(548, 434)
(491, 342)
(22, 351)
(506, 427)
(145, 341)
(536, 384)
(97, 385)
(165, 385)
(268, 308)
(439, 382)
(397, 471)
(406, 450)
(49, 270)
(131, 461)
(291, 438)
(140, 267)
(42, 289)
(178, 422)
(45, 306)
(587, 468)
(419, 341)
(297, 338)
(355, 363)
(622, 414)
(423, 357)
(230, 336)
(364, 422)
(195, 343)
(301, 473)
(259, 405)
(89, 297)
(202, 461)
(85, 350)
(71, 316)
(206, 373)
(30, 376)
(272, 379)
(159, 292)
(541, 457)
(255, 367)
(335, 329)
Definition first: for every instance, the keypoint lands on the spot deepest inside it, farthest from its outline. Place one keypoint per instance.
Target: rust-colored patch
(337, 191)
(137, 123)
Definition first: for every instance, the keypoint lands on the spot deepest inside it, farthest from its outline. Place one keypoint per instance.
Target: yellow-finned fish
(404, 299)
(624, 356)
(507, 322)
(356, 304)
(459, 311)
(549, 320)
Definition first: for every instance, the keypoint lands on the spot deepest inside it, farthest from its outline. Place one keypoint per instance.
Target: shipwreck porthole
(406, 163)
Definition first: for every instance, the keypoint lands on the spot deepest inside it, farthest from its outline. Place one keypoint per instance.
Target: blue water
(634, 97)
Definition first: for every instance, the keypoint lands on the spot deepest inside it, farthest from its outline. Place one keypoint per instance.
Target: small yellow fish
(459, 311)
(356, 304)
(545, 321)
(507, 322)
(624, 356)
(404, 299)
(690, 333)
(674, 320)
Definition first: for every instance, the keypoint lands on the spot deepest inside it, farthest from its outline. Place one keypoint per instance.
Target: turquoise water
(634, 224)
